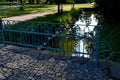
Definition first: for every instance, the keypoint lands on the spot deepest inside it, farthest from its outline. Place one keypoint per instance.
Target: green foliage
(68, 16)
(65, 17)
(5, 3)
(27, 10)
(70, 1)
(109, 9)
(112, 34)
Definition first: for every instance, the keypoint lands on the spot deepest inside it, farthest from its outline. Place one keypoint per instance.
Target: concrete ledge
(115, 70)
(111, 69)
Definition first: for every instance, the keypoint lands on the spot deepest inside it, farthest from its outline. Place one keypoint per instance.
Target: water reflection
(83, 27)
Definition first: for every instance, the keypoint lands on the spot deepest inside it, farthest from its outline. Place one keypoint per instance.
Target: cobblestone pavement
(18, 63)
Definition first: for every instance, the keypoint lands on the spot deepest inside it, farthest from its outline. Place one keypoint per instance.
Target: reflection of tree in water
(83, 30)
(85, 16)
(88, 45)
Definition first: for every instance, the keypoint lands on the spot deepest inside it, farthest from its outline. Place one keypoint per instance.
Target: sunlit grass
(27, 10)
(65, 17)
(78, 6)
(2, 6)
(37, 8)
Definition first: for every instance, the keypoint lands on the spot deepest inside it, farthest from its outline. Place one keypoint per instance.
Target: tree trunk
(10, 0)
(37, 1)
(58, 7)
(46, 1)
(33, 1)
(73, 7)
(30, 1)
(21, 5)
(61, 10)
(50, 2)
(21, 1)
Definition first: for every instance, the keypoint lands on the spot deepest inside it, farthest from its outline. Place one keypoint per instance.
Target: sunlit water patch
(84, 26)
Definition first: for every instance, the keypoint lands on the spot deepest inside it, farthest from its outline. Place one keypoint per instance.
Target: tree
(21, 5)
(109, 9)
(31, 1)
(71, 2)
(37, 1)
(10, 0)
(49, 1)
(59, 3)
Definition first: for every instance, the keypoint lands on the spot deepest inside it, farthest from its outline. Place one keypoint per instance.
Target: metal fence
(67, 39)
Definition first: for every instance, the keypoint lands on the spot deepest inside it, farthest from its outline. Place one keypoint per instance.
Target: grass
(65, 17)
(2, 6)
(67, 7)
(37, 8)
(5, 3)
(27, 10)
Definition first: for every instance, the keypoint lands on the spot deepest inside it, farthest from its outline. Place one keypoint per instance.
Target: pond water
(83, 27)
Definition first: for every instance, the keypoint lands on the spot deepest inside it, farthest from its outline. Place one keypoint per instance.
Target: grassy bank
(65, 17)
(28, 9)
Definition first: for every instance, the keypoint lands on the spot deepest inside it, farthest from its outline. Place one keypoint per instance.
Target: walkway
(30, 16)
(18, 63)
(34, 15)
(8, 7)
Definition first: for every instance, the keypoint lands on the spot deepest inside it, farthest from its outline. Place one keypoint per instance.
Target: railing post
(0, 23)
(2, 32)
(97, 42)
(62, 45)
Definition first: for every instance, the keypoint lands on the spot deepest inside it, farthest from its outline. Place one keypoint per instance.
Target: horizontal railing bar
(9, 42)
(17, 21)
(19, 31)
(84, 25)
(32, 22)
(49, 34)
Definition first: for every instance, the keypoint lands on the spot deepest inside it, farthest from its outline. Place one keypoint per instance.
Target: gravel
(19, 63)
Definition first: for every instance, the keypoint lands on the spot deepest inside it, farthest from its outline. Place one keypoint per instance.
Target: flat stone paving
(18, 63)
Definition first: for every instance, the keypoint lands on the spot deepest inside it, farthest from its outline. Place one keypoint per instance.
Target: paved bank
(18, 63)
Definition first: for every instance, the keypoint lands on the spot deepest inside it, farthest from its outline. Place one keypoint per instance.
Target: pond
(83, 32)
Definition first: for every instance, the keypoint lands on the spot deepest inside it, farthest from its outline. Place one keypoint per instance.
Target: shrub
(109, 9)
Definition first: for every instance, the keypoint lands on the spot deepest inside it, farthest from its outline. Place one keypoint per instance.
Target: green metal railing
(106, 51)
(51, 36)
(28, 33)
(1, 31)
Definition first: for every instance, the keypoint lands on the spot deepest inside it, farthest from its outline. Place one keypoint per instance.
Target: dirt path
(30, 16)
(25, 17)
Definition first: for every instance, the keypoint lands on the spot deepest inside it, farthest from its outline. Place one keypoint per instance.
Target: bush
(5, 3)
(109, 9)
(69, 16)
